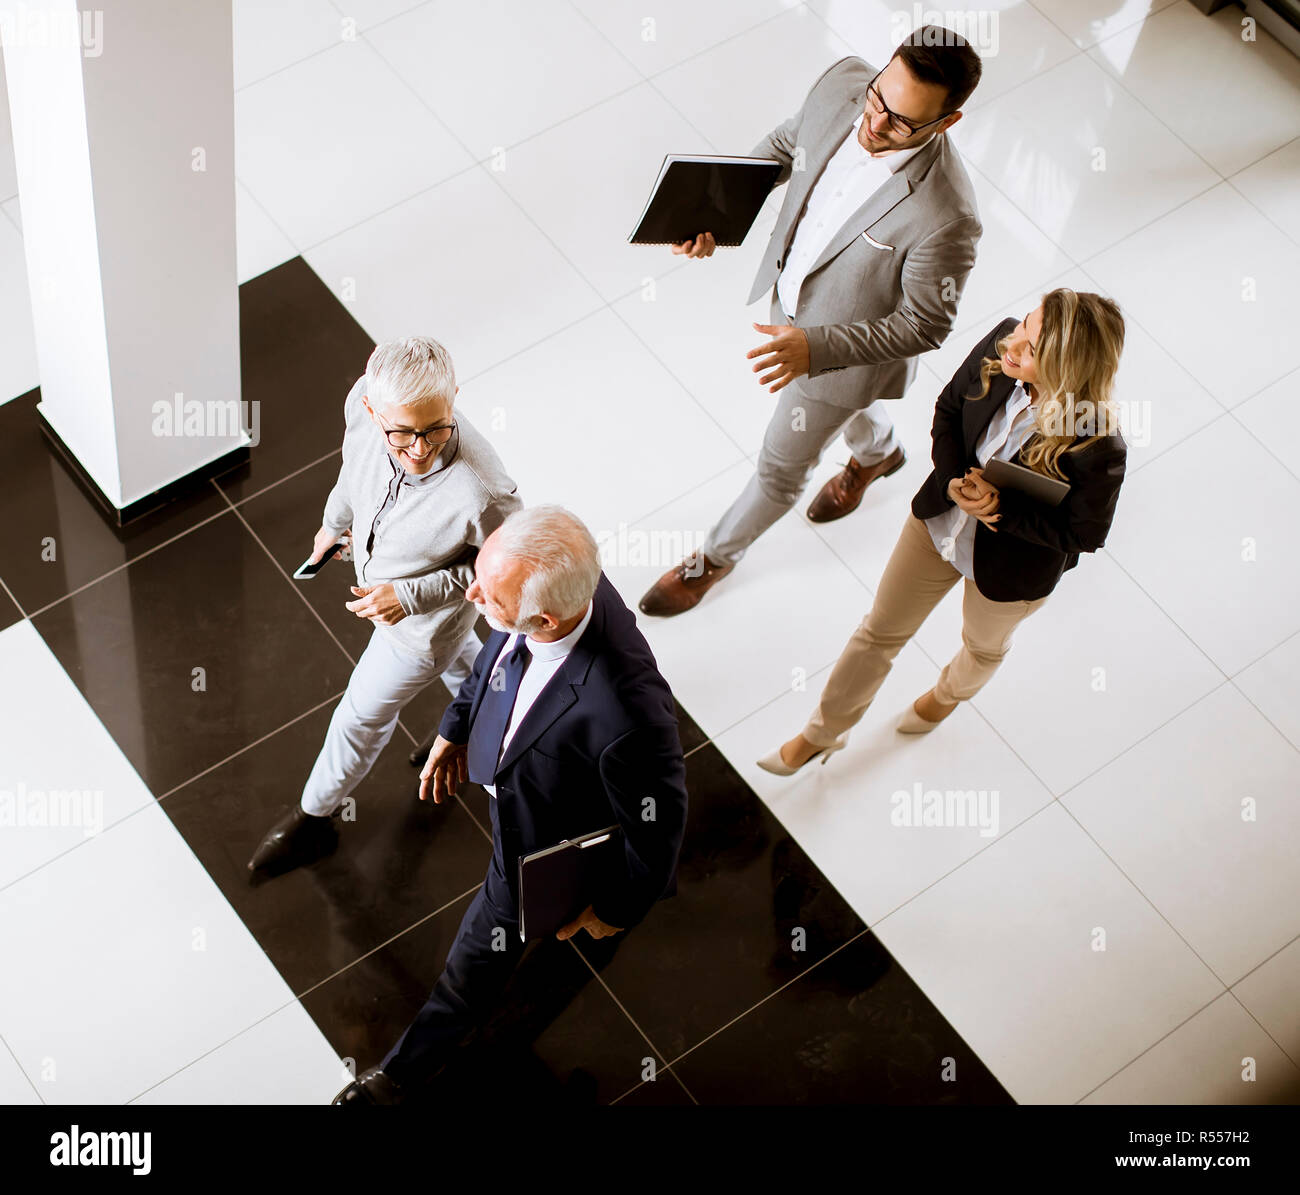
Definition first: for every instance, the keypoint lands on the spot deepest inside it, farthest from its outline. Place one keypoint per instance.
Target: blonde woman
(1039, 393)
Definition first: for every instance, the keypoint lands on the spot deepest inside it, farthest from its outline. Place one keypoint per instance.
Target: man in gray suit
(868, 259)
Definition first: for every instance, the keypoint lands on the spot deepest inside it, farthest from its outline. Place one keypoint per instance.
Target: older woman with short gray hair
(419, 492)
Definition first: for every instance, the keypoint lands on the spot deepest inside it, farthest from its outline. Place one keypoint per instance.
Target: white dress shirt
(1006, 432)
(851, 177)
(545, 663)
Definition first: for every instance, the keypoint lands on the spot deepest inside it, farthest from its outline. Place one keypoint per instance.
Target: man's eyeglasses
(434, 437)
(897, 124)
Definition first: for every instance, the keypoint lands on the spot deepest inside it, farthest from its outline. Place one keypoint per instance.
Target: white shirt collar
(558, 648)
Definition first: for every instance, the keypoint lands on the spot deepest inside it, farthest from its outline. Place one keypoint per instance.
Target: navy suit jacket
(599, 746)
(1034, 544)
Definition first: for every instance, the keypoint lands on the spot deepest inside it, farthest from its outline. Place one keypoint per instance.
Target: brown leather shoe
(843, 493)
(681, 588)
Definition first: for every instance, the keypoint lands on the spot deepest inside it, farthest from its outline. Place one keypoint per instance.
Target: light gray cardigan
(427, 540)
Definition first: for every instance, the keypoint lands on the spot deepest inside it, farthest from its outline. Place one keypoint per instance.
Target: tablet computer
(1007, 475)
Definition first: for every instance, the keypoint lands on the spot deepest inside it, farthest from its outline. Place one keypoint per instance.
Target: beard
(523, 627)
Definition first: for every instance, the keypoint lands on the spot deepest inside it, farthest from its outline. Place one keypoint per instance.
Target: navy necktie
(493, 716)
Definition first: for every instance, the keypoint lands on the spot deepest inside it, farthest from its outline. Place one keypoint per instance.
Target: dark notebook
(556, 884)
(702, 194)
(1007, 475)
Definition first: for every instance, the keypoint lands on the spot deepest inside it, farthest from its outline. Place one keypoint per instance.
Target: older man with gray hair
(569, 727)
(422, 490)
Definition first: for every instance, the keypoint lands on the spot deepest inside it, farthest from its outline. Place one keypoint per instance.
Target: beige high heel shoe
(778, 767)
(912, 723)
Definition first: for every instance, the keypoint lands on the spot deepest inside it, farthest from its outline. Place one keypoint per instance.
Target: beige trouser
(914, 581)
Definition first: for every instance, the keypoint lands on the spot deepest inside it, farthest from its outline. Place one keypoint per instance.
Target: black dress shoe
(370, 1087)
(296, 838)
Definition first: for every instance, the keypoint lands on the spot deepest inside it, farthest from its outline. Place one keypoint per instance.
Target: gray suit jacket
(869, 309)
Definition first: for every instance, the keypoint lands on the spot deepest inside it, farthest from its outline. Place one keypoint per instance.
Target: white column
(123, 131)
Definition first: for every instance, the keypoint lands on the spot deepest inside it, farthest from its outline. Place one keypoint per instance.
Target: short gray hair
(409, 373)
(562, 558)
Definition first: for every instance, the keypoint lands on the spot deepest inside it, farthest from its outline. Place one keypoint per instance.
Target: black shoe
(296, 838)
(370, 1087)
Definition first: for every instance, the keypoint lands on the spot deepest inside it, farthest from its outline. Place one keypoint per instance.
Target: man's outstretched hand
(444, 770)
(785, 356)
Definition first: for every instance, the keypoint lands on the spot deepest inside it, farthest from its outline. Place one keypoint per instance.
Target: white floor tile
(1080, 157)
(1272, 683)
(608, 158)
(8, 172)
(657, 36)
(1270, 184)
(336, 138)
(1201, 1062)
(1087, 22)
(283, 1059)
(484, 296)
(1170, 813)
(51, 799)
(1006, 948)
(1198, 568)
(18, 368)
(259, 245)
(368, 13)
(1014, 40)
(1091, 672)
(1175, 59)
(1012, 258)
(1238, 287)
(13, 209)
(111, 993)
(15, 1086)
(738, 92)
(269, 37)
(1268, 994)
(589, 419)
(695, 321)
(786, 611)
(857, 815)
(491, 87)
(1267, 415)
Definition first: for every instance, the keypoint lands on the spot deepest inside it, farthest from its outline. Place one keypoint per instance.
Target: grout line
(270, 556)
(13, 599)
(127, 563)
(279, 481)
(1191, 1016)
(361, 958)
(1246, 667)
(600, 979)
(181, 534)
(21, 1070)
(795, 979)
(218, 1046)
(249, 746)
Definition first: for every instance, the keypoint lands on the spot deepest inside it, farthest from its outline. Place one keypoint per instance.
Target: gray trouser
(383, 681)
(799, 431)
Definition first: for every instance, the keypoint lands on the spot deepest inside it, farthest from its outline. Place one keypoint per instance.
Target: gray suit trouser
(797, 435)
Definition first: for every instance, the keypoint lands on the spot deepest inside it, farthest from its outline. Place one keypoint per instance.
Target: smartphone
(308, 569)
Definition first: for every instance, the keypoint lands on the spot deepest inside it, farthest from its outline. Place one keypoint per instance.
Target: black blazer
(596, 747)
(1034, 544)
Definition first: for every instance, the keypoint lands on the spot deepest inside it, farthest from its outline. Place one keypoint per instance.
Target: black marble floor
(708, 995)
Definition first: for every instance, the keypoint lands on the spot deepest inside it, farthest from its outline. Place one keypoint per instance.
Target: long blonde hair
(1077, 357)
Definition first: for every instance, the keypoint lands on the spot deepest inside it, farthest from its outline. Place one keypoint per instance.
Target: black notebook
(556, 884)
(702, 194)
